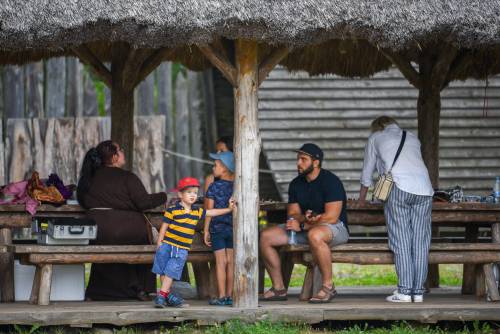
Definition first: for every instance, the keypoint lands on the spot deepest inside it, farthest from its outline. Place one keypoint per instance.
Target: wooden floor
(350, 304)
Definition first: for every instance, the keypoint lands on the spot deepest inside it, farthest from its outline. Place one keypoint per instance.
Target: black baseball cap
(311, 150)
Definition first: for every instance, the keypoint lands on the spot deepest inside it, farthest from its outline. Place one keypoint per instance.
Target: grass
(373, 275)
(266, 327)
(354, 275)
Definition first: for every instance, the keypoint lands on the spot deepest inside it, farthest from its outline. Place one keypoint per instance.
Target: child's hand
(158, 245)
(206, 239)
(232, 203)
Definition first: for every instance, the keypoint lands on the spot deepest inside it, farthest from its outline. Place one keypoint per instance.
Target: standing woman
(409, 206)
(115, 199)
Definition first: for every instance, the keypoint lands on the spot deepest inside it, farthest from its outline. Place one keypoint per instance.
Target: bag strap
(403, 138)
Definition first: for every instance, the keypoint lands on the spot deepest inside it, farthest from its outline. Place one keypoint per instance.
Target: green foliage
(101, 96)
(25, 329)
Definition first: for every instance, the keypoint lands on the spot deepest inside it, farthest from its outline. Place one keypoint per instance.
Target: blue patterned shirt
(221, 191)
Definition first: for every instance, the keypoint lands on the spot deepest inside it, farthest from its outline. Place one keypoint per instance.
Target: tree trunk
(246, 187)
(428, 114)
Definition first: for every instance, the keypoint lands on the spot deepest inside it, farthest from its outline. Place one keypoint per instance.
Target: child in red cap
(176, 236)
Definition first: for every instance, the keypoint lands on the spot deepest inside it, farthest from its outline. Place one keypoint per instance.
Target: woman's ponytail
(91, 162)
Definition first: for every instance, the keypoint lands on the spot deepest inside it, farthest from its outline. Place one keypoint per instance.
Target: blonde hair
(381, 122)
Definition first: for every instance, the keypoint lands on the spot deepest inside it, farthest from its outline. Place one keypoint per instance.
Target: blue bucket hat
(227, 158)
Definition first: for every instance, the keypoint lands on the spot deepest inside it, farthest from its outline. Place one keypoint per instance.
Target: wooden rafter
(133, 66)
(151, 62)
(441, 68)
(219, 60)
(88, 57)
(404, 65)
(271, 61)
(461, 61)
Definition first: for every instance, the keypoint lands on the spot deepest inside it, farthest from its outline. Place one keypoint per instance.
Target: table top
(367, 213)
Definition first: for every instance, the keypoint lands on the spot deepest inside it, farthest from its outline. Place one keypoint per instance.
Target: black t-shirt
(313, 195)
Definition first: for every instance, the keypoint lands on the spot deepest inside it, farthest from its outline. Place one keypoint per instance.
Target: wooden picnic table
(470, 215)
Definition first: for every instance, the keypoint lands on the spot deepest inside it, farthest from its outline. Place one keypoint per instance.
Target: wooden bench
(44, 257)
(483, 254)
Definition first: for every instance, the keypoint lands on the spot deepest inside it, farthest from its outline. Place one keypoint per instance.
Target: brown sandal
(278, 295)
(330, 293)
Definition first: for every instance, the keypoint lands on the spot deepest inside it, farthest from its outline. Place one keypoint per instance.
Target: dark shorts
(221, 240)
(170, 261)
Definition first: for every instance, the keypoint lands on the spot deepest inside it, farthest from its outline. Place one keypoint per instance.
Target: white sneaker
(418, 298)
(399, 298)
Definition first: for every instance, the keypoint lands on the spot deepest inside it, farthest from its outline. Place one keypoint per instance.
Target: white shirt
(409, 173)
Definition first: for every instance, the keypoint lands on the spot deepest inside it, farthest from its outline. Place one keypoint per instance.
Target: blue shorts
(170, 261)
(221, 240)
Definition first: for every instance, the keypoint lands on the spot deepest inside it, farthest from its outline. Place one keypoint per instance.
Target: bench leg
(45, 284)
(469, 272)
(307, 287)
(212, 280)
(35, 289)
(6, 268)
(200, 270)
(491, 283)
(480, 282)
(287, 265)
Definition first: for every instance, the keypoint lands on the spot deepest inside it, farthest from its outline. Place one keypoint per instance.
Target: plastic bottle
(291, 233)
(496, 190)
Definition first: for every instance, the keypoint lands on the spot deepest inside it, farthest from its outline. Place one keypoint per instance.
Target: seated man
(317, 204)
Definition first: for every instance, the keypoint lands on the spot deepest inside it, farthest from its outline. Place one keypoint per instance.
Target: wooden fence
(54, 111)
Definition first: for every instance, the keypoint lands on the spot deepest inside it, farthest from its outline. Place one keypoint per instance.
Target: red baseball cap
(187, 182)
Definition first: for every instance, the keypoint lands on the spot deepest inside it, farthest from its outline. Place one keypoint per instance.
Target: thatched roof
(312, 27)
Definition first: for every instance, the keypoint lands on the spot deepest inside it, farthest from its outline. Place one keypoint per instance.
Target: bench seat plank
(379, 247)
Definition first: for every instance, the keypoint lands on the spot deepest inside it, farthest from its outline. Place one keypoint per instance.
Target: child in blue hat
(219, 230)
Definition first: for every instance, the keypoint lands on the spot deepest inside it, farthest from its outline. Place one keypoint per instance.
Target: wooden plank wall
(336, 113)
(50, 114)
(58, 145)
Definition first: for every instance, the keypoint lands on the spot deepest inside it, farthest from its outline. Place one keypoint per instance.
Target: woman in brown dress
(115, 199)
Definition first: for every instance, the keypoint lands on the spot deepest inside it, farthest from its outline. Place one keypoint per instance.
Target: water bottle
(291, 233)
(496, 190)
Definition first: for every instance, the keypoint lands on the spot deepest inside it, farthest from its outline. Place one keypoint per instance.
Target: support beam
(153, 61)
(219, 60)
(122, 104)
(88, 57)
(271, 61)
(404, 65)
(246, 186)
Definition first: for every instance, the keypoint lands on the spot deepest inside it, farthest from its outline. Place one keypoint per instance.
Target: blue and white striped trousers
(408, 218)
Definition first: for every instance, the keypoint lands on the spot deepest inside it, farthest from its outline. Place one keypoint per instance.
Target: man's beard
(307, 171)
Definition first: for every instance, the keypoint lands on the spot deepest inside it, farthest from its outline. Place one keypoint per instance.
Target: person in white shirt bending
(409, 206)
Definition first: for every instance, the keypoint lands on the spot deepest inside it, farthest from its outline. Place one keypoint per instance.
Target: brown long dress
(124, 224)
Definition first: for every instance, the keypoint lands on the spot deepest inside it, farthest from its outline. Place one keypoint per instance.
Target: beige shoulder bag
(385, 182)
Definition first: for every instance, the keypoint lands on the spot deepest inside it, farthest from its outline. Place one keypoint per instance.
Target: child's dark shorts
(221, 240)
(169, 261)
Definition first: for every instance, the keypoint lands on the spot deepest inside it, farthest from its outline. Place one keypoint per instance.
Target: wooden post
(6, 268)
(122, 104)
(246, 187)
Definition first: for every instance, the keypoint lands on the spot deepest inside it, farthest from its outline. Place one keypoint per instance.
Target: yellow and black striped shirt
(181, 225)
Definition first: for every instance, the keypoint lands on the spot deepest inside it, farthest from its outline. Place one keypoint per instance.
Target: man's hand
(311, 217)
(232, 203)
(293, 224)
